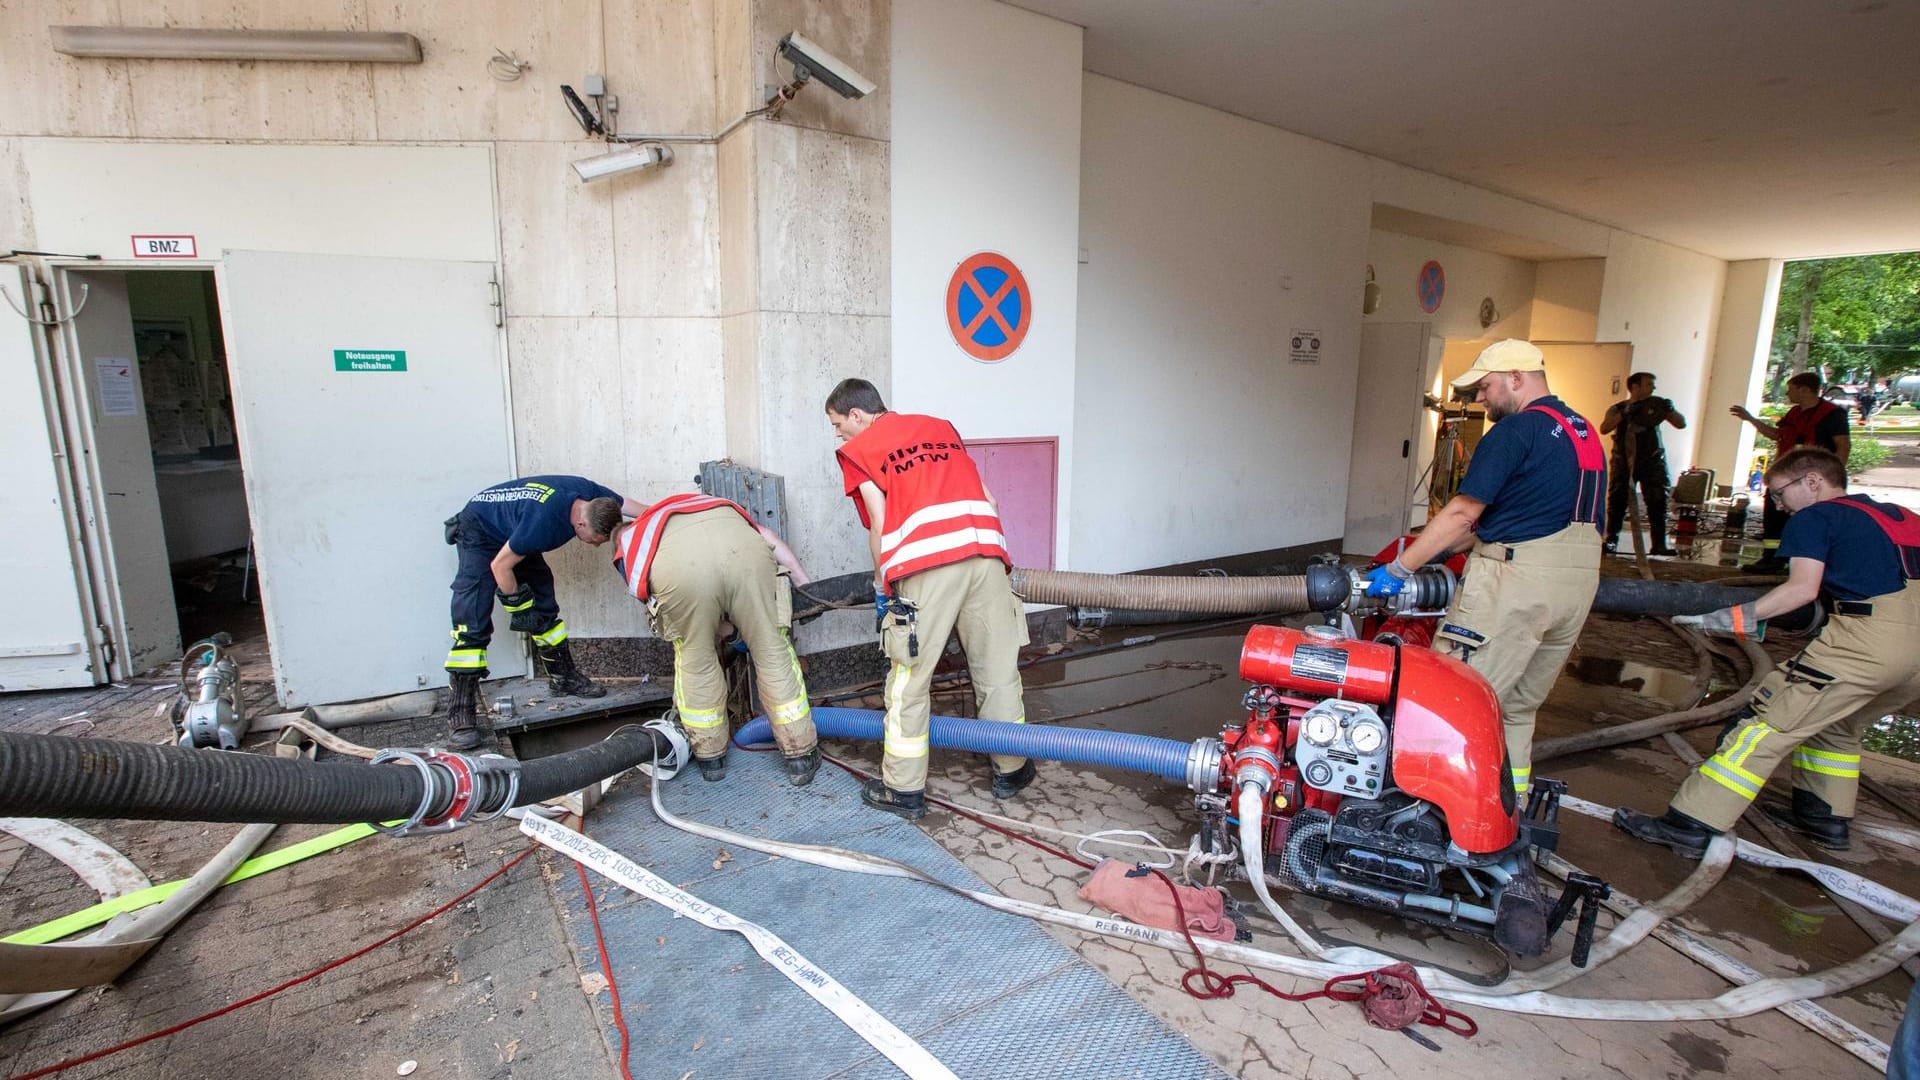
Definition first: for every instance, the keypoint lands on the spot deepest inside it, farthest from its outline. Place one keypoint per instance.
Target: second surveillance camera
(809, 60)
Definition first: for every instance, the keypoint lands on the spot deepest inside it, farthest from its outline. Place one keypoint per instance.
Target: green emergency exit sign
(369, 360)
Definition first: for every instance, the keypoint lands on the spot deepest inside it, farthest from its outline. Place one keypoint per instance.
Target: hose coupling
(464, 783)
(1256, 765)
(1203, 764)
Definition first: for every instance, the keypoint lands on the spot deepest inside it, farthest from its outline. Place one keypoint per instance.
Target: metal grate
(764, 495)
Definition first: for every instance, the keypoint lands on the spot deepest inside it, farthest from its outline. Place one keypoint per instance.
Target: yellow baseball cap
(1509, 355)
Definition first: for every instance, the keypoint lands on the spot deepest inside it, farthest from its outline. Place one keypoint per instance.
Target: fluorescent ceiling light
(192, 43)
(625, 159)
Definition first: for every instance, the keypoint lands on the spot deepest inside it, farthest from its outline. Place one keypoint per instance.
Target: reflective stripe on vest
(937, 510)
(642, 540)
(1588, 506)
(1902, 527)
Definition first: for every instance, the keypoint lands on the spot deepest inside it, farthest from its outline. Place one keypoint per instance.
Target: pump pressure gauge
(1321, 728)
(1368, 737)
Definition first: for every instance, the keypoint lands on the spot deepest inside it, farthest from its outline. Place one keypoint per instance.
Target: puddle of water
(1660, 684)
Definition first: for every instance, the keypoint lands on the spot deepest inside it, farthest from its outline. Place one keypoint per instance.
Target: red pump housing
(1448, 742)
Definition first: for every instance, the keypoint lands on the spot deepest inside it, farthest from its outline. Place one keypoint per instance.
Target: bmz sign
(164, 247)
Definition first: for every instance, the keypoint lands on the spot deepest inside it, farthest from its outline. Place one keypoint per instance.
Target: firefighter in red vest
(1813, 421)
(1530, 508)
(1863, 555)
(697, 561)
(939, 564)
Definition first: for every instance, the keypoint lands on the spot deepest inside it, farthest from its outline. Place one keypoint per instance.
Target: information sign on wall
(165, 247)
(1431, 286)
(369, 360)
(1303, 346)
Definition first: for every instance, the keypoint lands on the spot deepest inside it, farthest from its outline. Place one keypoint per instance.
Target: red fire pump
(1388, 785)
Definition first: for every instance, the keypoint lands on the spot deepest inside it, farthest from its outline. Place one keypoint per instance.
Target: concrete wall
(1666, 301)
(1471, 275)
(1745, 334)
(1566, 299)
(1018, 194)
(1209, 239)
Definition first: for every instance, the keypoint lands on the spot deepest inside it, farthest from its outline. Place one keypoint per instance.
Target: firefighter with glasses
(1863, 555)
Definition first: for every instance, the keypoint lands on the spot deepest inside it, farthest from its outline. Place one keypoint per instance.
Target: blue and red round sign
(989, 307)
(1431, 286)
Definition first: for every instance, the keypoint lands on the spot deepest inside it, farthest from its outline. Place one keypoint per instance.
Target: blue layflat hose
(1164, 758)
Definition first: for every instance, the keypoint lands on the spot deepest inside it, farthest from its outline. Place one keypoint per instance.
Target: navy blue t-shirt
(1861, 560)
(533, 514)
(1524, 469)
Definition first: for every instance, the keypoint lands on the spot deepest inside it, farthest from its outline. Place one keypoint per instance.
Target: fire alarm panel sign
(165, 247)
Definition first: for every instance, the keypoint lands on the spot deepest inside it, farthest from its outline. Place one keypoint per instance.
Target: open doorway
(198, 475)
(174, 489)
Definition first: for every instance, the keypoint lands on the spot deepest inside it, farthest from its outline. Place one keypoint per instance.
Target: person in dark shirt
(501, 536)
(1812, 421)
(1530, 508)
(1863, 555)
(1639, 458)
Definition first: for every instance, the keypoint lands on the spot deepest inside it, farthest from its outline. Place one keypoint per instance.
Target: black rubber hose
(1633, 596)
(58, 776)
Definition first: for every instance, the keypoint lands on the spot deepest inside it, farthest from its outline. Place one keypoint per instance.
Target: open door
(51, 641)
(1386, 434)
(132, 579)
(370, 402)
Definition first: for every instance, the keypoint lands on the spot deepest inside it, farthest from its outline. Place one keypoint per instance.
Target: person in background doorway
(1530, 508)
(1639, 458)
(1812, 421)
(1865, 555)
(697, 562)
(939, 564)
(501, 536)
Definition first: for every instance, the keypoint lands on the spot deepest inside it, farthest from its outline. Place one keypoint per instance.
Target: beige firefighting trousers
(713, 566)
(1519, 611)
(973, 597)
(1814, 707)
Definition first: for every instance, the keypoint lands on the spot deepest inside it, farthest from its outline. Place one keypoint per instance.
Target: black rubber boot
(1672, 829)
(911, 805)
(468, 726)
(563, 678)
(1007, 785)
(712, 768)
(1814, 819)
(800, 769)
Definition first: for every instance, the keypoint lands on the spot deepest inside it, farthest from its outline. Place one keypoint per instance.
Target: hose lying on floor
(50, 776)
(1741, 1001)
(1164, 758)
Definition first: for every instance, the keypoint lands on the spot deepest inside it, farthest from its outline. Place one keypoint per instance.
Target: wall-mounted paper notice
(115, 375)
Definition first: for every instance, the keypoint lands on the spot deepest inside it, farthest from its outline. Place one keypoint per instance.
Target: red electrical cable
(289, 984)
(606, 967)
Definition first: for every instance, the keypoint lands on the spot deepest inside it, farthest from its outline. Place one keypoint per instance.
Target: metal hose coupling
(457, 788)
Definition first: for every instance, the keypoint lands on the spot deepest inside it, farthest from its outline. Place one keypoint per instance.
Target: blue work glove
(880, 602)
(1387, 579)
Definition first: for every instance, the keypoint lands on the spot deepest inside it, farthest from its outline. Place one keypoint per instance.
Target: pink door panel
(1022, 474)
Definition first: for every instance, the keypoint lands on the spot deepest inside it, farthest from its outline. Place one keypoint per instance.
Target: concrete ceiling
(1737, 128)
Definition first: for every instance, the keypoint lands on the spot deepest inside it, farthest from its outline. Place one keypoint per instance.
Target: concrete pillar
(1739, 366)
(804, 261)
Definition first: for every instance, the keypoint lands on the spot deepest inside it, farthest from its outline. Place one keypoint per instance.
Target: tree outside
(1850, 319)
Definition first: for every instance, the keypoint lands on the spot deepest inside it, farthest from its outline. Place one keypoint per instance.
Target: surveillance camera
(625, 159)
(809, 60)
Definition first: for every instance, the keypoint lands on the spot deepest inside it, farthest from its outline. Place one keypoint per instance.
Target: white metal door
(132, 576)
(50, 642)
(1386, 420)
(369, 403)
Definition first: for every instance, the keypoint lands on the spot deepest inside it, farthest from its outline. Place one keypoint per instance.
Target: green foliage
(1866, 452)
(1864, 315)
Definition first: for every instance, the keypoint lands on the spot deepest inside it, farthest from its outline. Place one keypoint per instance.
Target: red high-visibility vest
(1799, 426)
(937, 508)
(641, 541)
(1902, 527)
